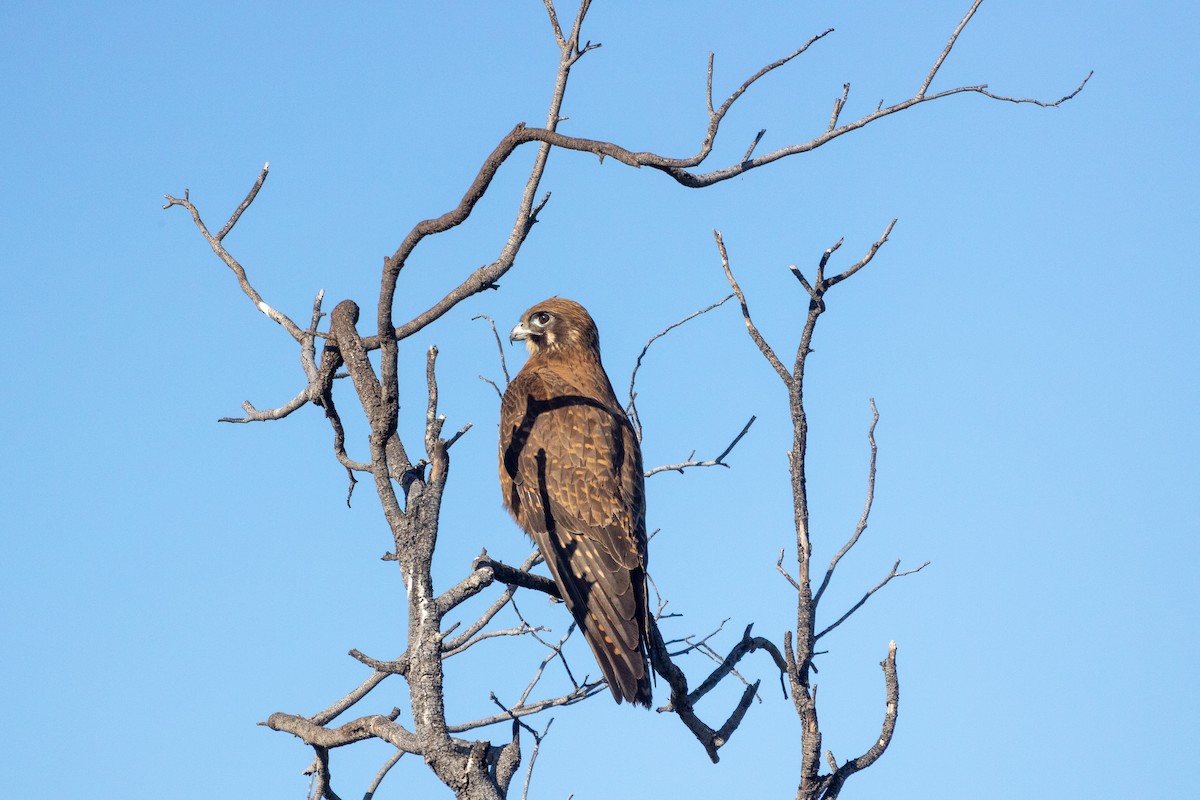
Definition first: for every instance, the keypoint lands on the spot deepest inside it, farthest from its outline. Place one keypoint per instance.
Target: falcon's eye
(541, 319)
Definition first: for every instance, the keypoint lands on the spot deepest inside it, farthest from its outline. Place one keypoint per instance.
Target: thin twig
(862, 520)
(763, 347)
(862, 262)
(949, 45)
(585, 691)
(719, 461)
(1041, 103)
(632, 407)
(237, 214)
(520, 630)
(784, 572)
(499, 347)
(537, 743)
(556, 652)
(754, 144)
(391, 762)
(886, 580)
(219, 248)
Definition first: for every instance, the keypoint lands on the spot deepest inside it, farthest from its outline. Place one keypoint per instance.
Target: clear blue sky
(1028, 334)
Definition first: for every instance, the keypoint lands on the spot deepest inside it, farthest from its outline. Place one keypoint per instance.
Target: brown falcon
(571, 474)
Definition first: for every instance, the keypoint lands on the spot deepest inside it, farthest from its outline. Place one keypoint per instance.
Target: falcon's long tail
(618, 642)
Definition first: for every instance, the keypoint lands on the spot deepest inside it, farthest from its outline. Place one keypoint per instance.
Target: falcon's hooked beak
(521, 333)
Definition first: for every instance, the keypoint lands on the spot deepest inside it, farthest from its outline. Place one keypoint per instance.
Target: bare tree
(410, 476)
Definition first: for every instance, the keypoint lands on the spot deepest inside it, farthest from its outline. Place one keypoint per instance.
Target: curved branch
(485, 277)
(682, 702)
(318, 390)
(255, 415)
(1041, 103)
(892, 709)
(383, 771)
(632, 407)
(217, 247)
(398, 667)
(747, 645)
(862, 521)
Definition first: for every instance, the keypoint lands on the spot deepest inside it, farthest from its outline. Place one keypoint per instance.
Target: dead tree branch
(862, 521)
(631, 408)
(216, 243)
(799, 652)
(682, 702)
(383, 771)
(893, 573)
(832, 784)
(500, 347)
(719, 461)
(411, 493)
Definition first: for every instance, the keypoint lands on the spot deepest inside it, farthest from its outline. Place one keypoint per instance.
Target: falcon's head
(556, 325)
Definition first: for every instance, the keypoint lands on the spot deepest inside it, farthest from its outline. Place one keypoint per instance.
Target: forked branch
(218, 247)
(690, 462)
(798, 652)
(479, 770)
(683, 702)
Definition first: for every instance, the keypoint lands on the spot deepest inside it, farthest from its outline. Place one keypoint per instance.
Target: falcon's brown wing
(571, 471)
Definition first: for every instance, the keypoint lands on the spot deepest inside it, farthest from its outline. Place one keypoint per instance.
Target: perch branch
(481, 577)
(517, 577)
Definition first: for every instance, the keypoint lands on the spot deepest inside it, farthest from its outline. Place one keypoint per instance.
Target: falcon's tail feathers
(626, 670)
